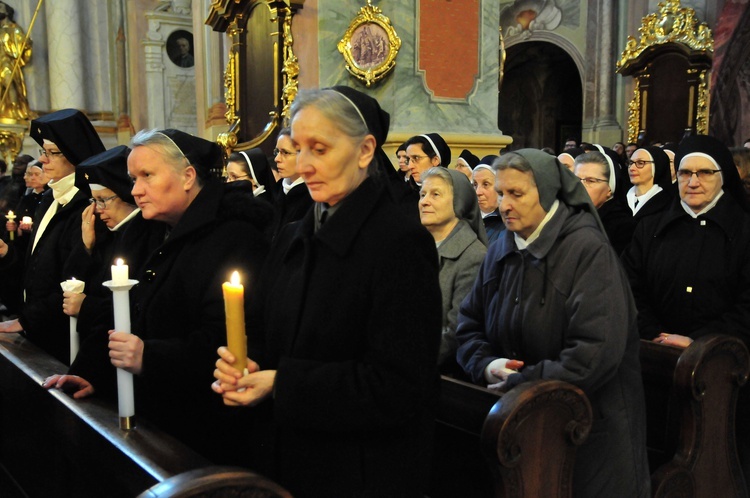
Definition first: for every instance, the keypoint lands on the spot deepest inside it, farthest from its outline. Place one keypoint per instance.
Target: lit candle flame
(119, 262)
(235, 278)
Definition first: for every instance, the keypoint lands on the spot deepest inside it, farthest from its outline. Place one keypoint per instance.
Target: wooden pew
(691, 396)
(521, 443)
(54, 446)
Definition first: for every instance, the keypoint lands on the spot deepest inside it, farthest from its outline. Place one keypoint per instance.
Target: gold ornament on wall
(671, 24)
(370, 45)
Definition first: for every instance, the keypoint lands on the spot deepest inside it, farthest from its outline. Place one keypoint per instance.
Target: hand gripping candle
(75, 286)
(234, 308)
(11, 217)
(120, 286)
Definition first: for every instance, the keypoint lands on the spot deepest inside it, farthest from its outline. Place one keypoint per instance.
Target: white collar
(64, 189)
(642, 199)
(705, 209)
(124, 221)
(523, 244)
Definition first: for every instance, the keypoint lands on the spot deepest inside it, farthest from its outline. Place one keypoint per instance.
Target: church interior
(487, 75)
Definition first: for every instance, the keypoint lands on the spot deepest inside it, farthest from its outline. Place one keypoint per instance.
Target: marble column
(66, 61)
(606, 70)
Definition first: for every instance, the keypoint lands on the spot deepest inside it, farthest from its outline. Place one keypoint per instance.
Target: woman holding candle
(353, 373)
(66, 138)
(111, 202)
(203, 229)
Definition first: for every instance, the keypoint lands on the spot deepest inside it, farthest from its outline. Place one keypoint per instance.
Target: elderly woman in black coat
(689, 268)
(203, 231)
(345, 372)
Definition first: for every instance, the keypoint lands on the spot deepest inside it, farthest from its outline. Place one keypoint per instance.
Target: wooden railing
(54, 446)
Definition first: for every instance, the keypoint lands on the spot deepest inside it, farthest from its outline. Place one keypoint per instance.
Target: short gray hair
(336, 108)
(440, 172)
(164, 145)
(511, 160)
(594, 157)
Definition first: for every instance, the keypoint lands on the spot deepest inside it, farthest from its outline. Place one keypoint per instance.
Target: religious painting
(370, 45)
(520, 18)
(180, 48)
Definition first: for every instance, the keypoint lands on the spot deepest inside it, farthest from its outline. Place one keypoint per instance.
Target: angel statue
(13, 51)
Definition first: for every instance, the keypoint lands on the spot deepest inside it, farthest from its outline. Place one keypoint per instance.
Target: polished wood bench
(518, 444)
(691, 396)
(54, 446)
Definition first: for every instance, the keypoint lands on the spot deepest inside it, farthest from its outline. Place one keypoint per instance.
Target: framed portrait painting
(370, 45)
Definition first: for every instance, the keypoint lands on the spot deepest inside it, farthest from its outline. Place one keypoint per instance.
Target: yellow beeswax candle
(234, 309)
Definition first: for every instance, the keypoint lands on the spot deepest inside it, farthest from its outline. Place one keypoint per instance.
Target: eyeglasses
(49, 153)
(640, 163)
(416, 159)
(283, 152)
(702, 174)
(232, 178)
(101, 203)
(590, 182)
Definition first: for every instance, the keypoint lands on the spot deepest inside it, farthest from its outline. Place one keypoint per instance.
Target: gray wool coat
(460, 256)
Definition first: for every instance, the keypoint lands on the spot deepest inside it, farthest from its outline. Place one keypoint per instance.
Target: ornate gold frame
(226, 15)
(671, 24)
(370, 14)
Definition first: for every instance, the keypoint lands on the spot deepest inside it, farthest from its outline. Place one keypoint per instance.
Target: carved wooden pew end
(706, 380)
(521, 443)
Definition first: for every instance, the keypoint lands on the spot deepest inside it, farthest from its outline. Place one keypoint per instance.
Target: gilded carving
(634, 110)
(370, 45)
(702, 114)
(290, 68)
(672, 23)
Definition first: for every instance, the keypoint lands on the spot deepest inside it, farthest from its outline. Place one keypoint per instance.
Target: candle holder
(11, 217)
(125, 396)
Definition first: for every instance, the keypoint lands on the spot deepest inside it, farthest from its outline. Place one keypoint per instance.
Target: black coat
(51, 262)
(353, 334)
(618, 222)
(692, 276)
(178, 312)
(291, 206)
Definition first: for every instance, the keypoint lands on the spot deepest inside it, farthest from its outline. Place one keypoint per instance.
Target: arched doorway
(540, 100)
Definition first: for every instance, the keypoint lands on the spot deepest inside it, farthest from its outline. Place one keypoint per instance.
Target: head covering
(401, 147)
(466, 205)
(440, 147)
(716, 150)
(203, 155)
(71, 131)
(613, 160)
(470, 159)
(486, 163)
(555, 181)
(660, 166)
(377, 121)
(109, 169)
(260, 171)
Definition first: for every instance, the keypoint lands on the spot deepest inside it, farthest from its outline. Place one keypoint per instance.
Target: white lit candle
(120, 287)
(11, 217)
(26, 220)
(75, 286)
(120, 273)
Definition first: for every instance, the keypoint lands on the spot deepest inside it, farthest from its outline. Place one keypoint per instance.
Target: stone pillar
(606, 129)
(66, 61)
(605, 112)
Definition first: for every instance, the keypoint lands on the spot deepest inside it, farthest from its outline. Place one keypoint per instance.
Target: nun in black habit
(344, 375)
(67, 138)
